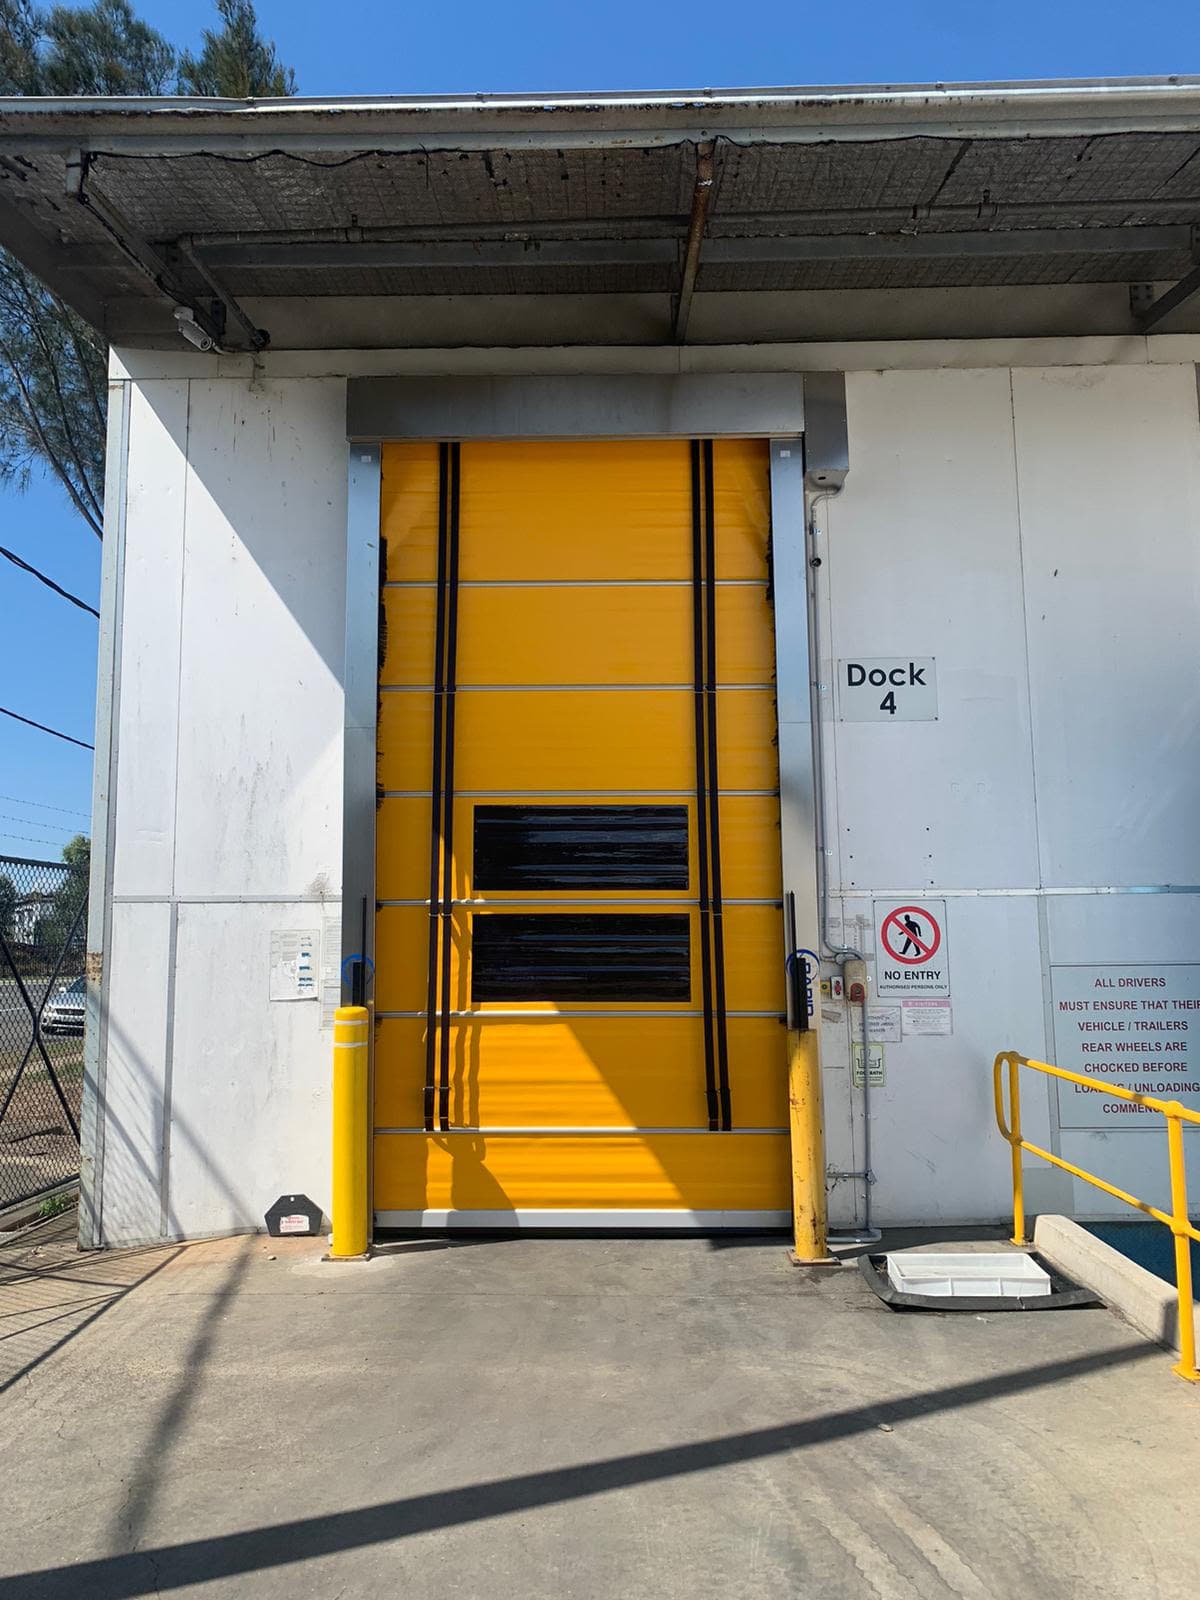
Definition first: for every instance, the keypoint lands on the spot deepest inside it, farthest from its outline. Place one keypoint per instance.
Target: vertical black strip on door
(436, 817)
(714, 786)
(450, 687)
(698, 651)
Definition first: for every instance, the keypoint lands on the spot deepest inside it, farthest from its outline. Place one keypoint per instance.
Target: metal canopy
(205, 205)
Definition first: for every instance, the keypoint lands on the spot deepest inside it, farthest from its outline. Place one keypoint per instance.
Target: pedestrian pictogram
(910, 934)
(910, 948)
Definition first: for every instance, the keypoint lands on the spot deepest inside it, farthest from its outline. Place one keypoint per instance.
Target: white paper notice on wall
(927, 1017)
(876, 1066)
(1130, 1027)
(295, 959)
(331, 966)
(883, 1024)
(912, 954)
(887, 689)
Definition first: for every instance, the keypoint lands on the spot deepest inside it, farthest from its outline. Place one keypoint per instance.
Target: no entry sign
(911, 953)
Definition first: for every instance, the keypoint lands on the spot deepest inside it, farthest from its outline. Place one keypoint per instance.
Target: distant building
(27, 914)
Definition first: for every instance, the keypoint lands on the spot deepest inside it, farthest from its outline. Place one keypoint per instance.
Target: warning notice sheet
(1134, 1027)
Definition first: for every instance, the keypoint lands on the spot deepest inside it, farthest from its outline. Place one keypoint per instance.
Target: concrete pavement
(600, 1419)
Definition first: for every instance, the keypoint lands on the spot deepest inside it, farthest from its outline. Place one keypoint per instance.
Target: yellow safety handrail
(1177, 1219)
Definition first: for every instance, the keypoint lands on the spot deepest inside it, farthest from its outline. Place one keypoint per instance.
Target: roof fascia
(163, 125)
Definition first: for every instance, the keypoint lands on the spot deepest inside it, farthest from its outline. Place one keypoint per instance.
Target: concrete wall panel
(251, 1084)
(263, 628)
(1128, 930)
(149, 705)
(1110, 512)
(1111, 929)
(936, 1152)
(138, 1054)
(923, 560)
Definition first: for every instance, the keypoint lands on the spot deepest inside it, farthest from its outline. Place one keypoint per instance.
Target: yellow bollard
(349, 1204)
(809, 1211)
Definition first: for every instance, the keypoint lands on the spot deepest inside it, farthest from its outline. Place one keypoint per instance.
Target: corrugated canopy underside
(885, 213)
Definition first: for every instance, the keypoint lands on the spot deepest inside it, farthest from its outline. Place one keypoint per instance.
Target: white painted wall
(228, 800)
(1037, 530)
(1026, 512)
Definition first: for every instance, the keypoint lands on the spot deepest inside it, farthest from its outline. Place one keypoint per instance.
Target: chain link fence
(43, 924)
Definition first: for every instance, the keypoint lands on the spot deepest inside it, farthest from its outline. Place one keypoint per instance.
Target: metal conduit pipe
(837, 952)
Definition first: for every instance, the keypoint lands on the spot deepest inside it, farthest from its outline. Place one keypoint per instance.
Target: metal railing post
(1018, 1176)
(1183, 1249)
(348, 1204)
(1178, 1220)
(1012, 1132)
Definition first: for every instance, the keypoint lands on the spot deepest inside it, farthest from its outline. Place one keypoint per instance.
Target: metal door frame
(683, 406)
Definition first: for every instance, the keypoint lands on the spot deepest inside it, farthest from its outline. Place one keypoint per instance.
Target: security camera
(185, 321)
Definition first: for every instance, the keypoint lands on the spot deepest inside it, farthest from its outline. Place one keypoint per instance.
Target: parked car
(65, 1009)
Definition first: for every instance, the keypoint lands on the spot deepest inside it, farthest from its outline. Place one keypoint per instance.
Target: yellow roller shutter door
(577, 641)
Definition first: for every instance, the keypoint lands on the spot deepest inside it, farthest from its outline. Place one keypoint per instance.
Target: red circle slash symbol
(908, 927)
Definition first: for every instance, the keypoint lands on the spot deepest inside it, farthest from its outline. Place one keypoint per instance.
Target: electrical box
(854, 974)
(826, 438)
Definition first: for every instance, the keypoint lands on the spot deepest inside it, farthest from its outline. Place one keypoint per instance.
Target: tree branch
(81, 355)
(64, 477)
(51, 359)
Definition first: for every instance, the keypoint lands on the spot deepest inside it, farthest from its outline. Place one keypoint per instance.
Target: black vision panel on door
(601, 957)
(581, 847)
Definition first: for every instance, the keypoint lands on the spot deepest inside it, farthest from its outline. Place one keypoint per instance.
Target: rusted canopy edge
(1029, 110)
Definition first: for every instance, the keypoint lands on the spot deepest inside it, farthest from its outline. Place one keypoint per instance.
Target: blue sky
(47, 648)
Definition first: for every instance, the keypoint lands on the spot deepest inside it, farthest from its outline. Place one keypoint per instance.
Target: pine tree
(52, 364)
(236, 60)
(102, 49)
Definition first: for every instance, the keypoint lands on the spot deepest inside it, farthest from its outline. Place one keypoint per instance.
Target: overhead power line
(49, 582)
(31, 822)
(40, 805)
(41, 726)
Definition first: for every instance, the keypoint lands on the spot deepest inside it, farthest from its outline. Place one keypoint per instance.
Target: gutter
(172, 125)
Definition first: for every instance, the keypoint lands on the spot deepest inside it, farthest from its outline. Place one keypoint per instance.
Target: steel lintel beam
(702, 192)
(257, 338)
(1187, 286)
(948, 246)
(147, 260)
(314, 256)
(306, 254)
(143, 256)
(854, 220)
